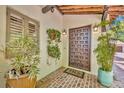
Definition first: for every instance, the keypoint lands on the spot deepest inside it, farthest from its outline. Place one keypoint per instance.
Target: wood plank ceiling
(114, 10)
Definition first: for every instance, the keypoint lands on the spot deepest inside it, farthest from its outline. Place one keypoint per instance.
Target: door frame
(89, 48)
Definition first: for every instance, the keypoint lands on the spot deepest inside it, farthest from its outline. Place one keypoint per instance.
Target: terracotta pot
(22, 82)
(53, 36)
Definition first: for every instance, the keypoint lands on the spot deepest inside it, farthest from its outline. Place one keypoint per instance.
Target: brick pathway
(59, 79)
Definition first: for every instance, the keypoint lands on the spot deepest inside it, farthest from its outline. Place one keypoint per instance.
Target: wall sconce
(52, 9)
(64, 32)
(95, 28)
(48, 8)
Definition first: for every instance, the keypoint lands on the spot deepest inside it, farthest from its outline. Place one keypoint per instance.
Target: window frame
(25, 30)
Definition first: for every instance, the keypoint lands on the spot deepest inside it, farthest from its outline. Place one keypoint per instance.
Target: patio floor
(59, 79)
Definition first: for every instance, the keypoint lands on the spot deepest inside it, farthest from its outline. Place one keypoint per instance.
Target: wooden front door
(79, 47)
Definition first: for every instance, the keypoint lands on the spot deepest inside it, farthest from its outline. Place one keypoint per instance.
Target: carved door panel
(79, 47)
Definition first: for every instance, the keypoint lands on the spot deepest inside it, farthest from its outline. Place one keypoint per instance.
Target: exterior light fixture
(48, 8)
(52, 9)
(64, 32)
(95, 28)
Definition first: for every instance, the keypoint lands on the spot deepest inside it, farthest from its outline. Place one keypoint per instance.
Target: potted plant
(25, 59)
(51, 34)
(54, 34)
(106, 49)
(54, 51)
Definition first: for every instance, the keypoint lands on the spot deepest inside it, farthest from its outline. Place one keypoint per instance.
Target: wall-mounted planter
(53, 43)
(52, 35)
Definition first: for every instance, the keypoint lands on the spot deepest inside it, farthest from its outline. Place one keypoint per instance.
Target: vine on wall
(53, 49)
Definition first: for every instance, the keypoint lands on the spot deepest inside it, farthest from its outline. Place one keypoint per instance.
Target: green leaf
(25, 53)
(105, 50)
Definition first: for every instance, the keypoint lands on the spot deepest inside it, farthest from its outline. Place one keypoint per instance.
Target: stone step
(119, 62)
(121, 66)
(119, 54)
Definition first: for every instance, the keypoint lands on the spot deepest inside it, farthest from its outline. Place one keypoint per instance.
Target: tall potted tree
(106, 49)
(25, 59)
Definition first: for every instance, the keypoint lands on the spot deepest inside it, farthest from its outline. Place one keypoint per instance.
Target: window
(19, 25)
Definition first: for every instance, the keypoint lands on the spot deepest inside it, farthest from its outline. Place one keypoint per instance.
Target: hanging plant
(53, 47)
(51, 34)
(54, 34)
(58, 36)
(54, 51)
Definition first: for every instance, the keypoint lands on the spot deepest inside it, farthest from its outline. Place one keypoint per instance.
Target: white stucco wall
(48, 20)
(73, 21)
(3, 62)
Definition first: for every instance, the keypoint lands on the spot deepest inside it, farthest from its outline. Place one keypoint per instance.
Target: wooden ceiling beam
(90, 9)
(116, 10)
(116, 13)
(85, 13)
(79, 6)
(82, 9)
(116, 6)
(59, 10)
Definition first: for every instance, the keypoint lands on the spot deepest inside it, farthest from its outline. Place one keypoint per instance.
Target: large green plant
(106, 47)
(105, 51)
(25, 57)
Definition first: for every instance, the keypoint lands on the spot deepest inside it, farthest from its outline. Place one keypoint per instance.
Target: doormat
(74, 72)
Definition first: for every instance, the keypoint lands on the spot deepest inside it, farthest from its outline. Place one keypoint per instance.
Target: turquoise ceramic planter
(105, 78)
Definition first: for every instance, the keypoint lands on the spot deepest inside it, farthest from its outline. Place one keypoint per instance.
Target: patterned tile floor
(59, 79)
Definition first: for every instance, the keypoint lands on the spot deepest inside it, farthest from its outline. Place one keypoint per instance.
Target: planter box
(22, 82)
(105, 78)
